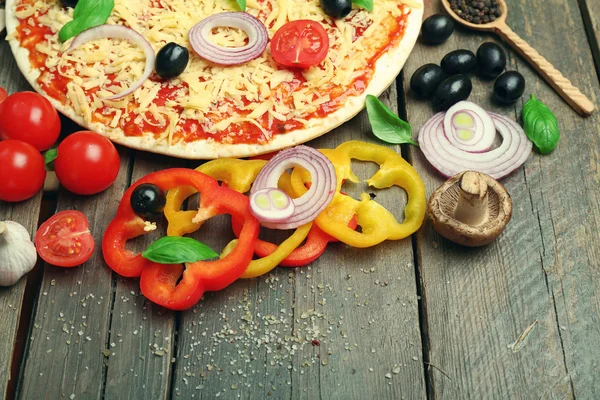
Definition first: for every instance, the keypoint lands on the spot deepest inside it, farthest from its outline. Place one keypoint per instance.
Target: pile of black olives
(448, 83)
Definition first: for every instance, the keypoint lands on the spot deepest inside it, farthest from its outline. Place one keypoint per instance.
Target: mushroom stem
(472, 206)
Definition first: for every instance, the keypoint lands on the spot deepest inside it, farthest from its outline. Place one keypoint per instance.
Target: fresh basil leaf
(242, 4)
(87, 14)
(386, 125)
(540, 125)
(177, 250)
(366, 4)
(50, 155)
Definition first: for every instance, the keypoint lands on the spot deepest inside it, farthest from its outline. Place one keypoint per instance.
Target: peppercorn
(476, 11)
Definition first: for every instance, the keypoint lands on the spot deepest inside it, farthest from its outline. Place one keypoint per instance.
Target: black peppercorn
(476, 11)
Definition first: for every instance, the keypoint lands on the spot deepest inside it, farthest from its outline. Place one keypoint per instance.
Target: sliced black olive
(491, 60)
(451, 91)
(437, 29)
(426, 79)
(171, 60)
(68, 3)
(509, 87)
(336, 8)
(459, 62)
(148, 200)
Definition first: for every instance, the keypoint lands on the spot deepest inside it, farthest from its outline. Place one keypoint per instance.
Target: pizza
(211, 110)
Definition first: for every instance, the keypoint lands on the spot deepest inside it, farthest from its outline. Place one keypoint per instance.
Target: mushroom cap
(443, 204)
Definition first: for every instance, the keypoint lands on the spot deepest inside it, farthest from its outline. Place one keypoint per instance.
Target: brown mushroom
(470, 208)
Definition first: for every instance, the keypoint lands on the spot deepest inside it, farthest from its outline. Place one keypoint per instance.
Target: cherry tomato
(22, 170)
(3, 94)
(301, 43)
(29, 117)
(65, 239)
(87, 163)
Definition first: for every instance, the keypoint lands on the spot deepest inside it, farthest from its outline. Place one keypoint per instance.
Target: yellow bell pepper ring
(266, 264)
(376, 222)
(237, 174)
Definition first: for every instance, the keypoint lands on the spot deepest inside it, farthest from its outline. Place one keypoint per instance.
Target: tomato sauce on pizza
(248, 103)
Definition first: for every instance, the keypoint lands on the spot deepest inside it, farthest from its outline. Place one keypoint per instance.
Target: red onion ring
(321, 191)
(271, 205)
(483, 127)
(449, 160)
(119, 32)
(258, 38)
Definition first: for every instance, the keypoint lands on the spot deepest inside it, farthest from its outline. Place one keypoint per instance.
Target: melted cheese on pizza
(248, 103)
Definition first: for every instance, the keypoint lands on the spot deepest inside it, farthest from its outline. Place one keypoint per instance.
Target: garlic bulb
(17, 252)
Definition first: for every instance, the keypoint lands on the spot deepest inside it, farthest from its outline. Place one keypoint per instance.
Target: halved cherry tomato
(3, 94)
(29, 117)
(87, 163)
(65, 239)
(22, 170)
(301, 43)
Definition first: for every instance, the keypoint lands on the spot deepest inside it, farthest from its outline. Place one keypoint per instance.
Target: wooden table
(417, 318)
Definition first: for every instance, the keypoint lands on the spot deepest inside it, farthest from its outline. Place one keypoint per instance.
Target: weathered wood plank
(141, 333)
(255, 338)
(479, 301)
(70, 332)
(26, 213)
(564, 189)
(590, 12)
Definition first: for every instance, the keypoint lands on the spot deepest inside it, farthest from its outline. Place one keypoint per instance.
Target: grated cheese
(217, 97)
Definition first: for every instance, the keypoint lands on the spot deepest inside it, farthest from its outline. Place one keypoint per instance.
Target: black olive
(437, 29)
(424, 81)
(171, 60)
(509, 87)
(336, 8)
(459, 62)
(148, 200)
(451, 91)
(491, 60)
(68, 3)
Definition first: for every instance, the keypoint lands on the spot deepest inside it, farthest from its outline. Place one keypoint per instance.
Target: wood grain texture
(66, 357)
(26, 213)
(590, 13)
(141, 334)
(477, 302)
(564, 190)
(345, 327)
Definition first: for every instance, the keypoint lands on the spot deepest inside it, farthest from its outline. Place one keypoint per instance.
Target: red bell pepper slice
(314, 246)
(159, 281)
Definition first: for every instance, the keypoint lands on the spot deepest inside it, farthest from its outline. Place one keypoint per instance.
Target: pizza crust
(387, 67)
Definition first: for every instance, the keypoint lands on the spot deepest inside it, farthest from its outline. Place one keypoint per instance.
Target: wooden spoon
(577, 100)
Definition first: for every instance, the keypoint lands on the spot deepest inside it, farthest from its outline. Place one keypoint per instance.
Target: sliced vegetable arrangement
(321, 214)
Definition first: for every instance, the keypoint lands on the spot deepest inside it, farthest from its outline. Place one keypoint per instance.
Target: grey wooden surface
(410, 319)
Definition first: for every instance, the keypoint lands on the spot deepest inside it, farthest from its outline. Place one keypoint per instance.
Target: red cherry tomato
(3, 94)
(65, 239)
(301, 43)
(22, 170)
(87, 163)
(29, 117)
